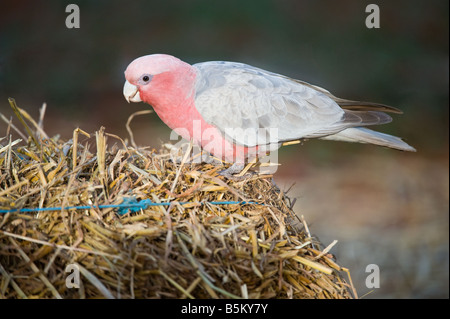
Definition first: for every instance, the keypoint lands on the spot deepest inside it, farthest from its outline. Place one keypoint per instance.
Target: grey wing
(251, 106)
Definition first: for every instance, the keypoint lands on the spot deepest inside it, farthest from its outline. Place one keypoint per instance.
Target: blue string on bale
(129, 204)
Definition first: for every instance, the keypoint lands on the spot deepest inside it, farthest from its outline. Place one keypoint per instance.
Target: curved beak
(131, 92)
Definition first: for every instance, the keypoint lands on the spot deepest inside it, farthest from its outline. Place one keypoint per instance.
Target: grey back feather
(253, 107)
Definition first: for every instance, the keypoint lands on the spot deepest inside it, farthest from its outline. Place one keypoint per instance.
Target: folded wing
(251, 106)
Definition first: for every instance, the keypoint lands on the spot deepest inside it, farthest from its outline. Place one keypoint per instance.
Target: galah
(234, 110)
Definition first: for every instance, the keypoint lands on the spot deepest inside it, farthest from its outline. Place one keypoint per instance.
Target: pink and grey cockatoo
(234, 110)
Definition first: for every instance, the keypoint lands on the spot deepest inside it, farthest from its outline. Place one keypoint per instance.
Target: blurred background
(384, 207)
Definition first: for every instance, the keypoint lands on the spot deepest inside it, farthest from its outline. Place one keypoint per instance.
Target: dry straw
(175, 251)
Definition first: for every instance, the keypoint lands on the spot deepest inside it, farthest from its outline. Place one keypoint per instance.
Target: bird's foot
(234, 172)
(208, 159)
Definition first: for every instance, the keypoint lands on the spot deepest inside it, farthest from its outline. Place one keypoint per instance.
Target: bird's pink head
(158, 79)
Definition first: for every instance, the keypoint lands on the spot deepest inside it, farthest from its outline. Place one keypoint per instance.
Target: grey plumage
(251, 106)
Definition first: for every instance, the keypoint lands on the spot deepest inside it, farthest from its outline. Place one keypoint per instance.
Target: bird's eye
(145, 79)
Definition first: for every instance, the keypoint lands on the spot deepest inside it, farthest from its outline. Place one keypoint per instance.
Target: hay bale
(194, 250)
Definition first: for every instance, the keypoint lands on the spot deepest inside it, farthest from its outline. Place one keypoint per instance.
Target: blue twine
(129, 204)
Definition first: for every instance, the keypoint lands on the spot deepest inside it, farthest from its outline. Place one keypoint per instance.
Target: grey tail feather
(364, 135)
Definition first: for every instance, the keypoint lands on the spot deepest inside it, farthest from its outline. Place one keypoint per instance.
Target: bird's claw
(232, 172)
